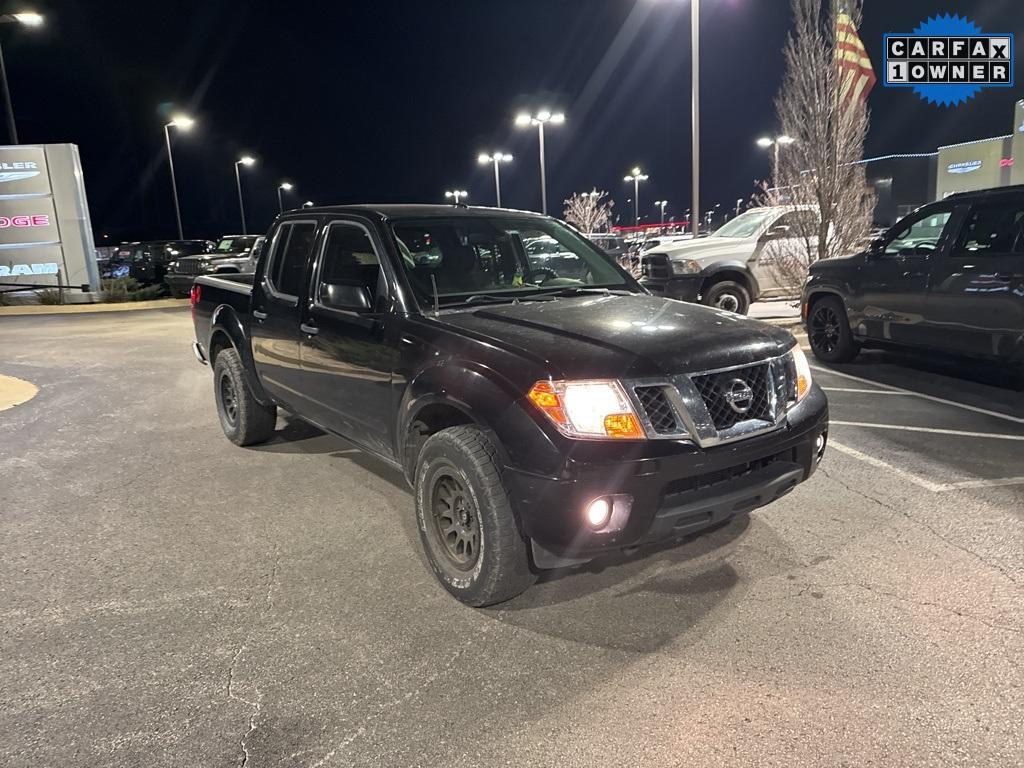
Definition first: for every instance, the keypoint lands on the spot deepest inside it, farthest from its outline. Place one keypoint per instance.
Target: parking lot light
(287, 186)
(455, 195)
(661, 206)
(636, 177)
(779, 141)
(182, 123)
(540, 119)
(247, 161)
(497, 158)
(27, 19)
(308, 204)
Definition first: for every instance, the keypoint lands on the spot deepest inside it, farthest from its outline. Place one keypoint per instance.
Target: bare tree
(819, 175)
(589, 211)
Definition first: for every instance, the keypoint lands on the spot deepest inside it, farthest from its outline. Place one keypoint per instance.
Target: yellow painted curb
(66, 309)
(15, 391)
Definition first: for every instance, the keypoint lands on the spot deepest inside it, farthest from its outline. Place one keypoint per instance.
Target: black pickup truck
(544, 412)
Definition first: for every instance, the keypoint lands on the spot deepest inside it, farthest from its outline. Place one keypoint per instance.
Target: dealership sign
(967, 166)
(948, 59)
(45, 233)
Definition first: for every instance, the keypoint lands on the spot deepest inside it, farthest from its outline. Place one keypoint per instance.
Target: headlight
(802, 372)
(588, 409)
(688, 267)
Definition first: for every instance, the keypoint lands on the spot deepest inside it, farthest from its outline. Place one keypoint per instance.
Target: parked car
(231, 254)
(147, 261)
(948, 278)
(612, 244)
(542, 420)
(731, 267)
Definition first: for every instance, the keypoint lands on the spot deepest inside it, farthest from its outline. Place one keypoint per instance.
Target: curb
(75, 309)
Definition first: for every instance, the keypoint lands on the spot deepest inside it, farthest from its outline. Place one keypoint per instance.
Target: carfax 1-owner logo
(948, 59)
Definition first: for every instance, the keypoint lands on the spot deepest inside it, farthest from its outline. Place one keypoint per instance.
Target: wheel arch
(736, 271)
(227, 331)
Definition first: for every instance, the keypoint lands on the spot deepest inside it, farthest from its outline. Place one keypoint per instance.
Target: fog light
(819, 446)
(599, 513)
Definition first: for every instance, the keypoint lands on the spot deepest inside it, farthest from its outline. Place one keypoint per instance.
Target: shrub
(118, 289)
(49, 296)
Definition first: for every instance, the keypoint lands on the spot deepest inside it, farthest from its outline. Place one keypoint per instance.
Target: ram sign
(45, 232)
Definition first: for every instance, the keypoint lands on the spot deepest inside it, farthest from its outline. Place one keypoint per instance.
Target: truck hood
(623, 336)
(709, 248)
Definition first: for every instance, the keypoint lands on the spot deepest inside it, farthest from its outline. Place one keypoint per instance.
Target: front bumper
(677, 488)
(684, 287)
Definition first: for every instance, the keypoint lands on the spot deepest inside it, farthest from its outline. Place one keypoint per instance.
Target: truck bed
(232, 290)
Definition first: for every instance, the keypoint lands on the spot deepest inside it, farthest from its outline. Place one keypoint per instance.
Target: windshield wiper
(587, 291)
(491, 298)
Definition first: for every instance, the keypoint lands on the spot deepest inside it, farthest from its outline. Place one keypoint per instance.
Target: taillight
(195, 294)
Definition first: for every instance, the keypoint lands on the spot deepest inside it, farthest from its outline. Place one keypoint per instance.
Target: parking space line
(933, 430)
(865, 391)
(928, 485)
(944, 401)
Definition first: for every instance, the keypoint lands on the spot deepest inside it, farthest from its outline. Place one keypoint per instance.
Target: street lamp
(542, 118)
(636, 177)
(496, 158)
(247, 161)
(456, 195)
(28, 19)
(182, 123)
(286, 186)
(779, 141)
(661, 204)
(308, 204)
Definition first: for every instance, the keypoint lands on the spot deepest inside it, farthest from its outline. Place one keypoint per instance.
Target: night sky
(392, 100)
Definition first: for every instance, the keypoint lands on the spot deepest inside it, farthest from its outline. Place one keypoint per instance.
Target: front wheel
(468, 528)
(828, 331)
(244, 420)
(727, 295)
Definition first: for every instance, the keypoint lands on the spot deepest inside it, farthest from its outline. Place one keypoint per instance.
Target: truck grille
(658, 410)
(189, 266)
(736, 395)
(655, 265)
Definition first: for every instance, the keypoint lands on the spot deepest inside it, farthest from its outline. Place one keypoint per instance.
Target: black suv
(949, 277)
(147, 261)
(231, 254)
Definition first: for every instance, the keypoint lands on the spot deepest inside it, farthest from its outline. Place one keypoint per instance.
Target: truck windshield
(235, 244)
(746, 224)
(504, 257)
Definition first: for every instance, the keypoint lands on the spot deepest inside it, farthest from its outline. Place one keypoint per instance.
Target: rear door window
(991, 229)
(292, 246)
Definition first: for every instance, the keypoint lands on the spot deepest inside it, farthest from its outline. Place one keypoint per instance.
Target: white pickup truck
(731, 267)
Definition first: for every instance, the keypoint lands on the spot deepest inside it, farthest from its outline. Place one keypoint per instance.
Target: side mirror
(351, 297)
(777, 232)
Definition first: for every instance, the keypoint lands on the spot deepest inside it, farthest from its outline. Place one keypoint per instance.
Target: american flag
(856, 76)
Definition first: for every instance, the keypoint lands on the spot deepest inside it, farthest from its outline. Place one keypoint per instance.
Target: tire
(727, 295)
(469, 531)
(828, 331)
(243, 419)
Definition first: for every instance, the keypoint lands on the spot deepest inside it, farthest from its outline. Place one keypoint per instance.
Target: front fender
(487, 400)
(734, 265)
(225, 322)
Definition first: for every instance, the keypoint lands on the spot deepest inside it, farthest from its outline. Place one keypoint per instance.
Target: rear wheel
(467, 525)
(244, 420)
(727, 295)
(828, 331)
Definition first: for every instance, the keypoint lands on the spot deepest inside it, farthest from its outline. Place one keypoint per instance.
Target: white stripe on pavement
(865, 391)
(926, 484)
(934, 399)
(933, 430)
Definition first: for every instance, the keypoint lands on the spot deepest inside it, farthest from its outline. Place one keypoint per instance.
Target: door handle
(312, 330)
(259, 315)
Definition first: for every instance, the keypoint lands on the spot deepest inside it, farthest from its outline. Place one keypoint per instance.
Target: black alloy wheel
(454, 521)
(824, 330)
(229, 399)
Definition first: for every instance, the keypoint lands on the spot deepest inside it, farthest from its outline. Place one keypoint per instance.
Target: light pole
(636, 177)
(540, 120)
(695, 108)
(456, 195)
(496, 158)
(779, 141)
(661, 204)
(182, 123)
(739, 203)
(27, 19)
(286, 186)
(247, 161)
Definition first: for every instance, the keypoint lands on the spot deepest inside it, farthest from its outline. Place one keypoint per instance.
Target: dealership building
(905, 182)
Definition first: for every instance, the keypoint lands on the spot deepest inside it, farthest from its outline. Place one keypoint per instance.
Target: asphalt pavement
(168, 599)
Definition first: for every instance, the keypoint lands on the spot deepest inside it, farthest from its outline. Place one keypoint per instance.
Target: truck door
(347, 354)
(976, 296)
(274, 325)
(779, 260)
(893, 282)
